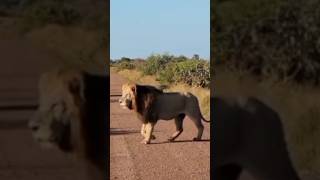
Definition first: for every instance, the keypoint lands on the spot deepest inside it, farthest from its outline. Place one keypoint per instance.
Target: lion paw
(152, 137)
(196, 139)
(145, 141)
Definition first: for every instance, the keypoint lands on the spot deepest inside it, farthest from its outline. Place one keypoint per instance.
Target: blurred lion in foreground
(72, 116)
(248, 135)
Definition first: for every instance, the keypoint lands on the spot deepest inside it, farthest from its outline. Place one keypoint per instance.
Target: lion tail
(204, 119)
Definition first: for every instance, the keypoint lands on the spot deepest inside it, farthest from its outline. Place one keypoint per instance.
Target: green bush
(155, 63)
(167, 75)
(170, 69)
(44, 12)
(124, 63)
(283, 45)
(191, 72)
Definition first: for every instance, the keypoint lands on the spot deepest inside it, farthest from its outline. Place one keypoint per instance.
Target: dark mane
(90, 135)
(144, 100)
(95, 122)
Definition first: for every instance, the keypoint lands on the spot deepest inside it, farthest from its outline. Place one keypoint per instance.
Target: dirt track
(131, 160)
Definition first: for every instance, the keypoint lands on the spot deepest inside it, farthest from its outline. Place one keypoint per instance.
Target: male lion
(249, 136)
(152, 104)
(71, 116)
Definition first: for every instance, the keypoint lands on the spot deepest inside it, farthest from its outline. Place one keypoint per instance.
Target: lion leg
(143, 131)
(148, 135)
(200, 127)
(179, 127)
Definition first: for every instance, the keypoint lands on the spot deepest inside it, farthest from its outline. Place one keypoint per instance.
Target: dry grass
(299, 108)
(73, 46)
(202, 94)
(137, 77)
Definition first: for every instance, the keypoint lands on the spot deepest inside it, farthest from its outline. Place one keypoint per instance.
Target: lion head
(128, 96)
(60, 102)
(71, 116)
(139, 98)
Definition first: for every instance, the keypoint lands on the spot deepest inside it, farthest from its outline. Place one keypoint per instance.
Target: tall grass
(73, 46)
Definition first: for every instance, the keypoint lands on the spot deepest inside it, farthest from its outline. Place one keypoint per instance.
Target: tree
(196, 57)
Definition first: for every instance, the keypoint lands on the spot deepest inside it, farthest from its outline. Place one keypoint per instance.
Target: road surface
(131, 160)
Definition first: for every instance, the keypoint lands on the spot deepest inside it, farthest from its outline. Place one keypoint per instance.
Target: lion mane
(71, 116)
(144, 99)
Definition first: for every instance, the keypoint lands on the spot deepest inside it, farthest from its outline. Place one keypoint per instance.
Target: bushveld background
(270, 49)
(175, 73)
(73, 32)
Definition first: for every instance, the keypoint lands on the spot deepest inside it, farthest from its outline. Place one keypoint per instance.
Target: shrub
(191, 72)
(124, 63)
(170, 69)
(167, 75)
(44, 12)
(156, 63)
(283, 45)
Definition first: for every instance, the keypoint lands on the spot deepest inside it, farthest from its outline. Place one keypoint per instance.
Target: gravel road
(131, 160)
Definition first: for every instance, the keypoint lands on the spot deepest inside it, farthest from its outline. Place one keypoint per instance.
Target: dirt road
(131, 160)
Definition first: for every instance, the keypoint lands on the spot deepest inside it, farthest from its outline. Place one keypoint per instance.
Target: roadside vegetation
(270, 49)
(74, 32)
(174, 73)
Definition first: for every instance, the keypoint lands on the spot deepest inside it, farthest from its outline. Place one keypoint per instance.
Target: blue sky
(139, 28)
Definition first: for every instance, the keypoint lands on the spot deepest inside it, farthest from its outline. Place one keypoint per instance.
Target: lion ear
(76, 87)
(134, 88)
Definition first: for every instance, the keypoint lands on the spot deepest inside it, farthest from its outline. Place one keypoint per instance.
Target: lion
(71, 117)
(249, 136)
(152, 104)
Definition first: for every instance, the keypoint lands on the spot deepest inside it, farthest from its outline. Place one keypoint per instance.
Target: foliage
(171, 69)
(156, 63)
(39, 13)
(282, 43)
(124, 63)
(51, 11)
(191, 72)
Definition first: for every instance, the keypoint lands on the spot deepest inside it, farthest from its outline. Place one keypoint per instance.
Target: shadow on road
(181, 141)
(114, 100)
(117, 131)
